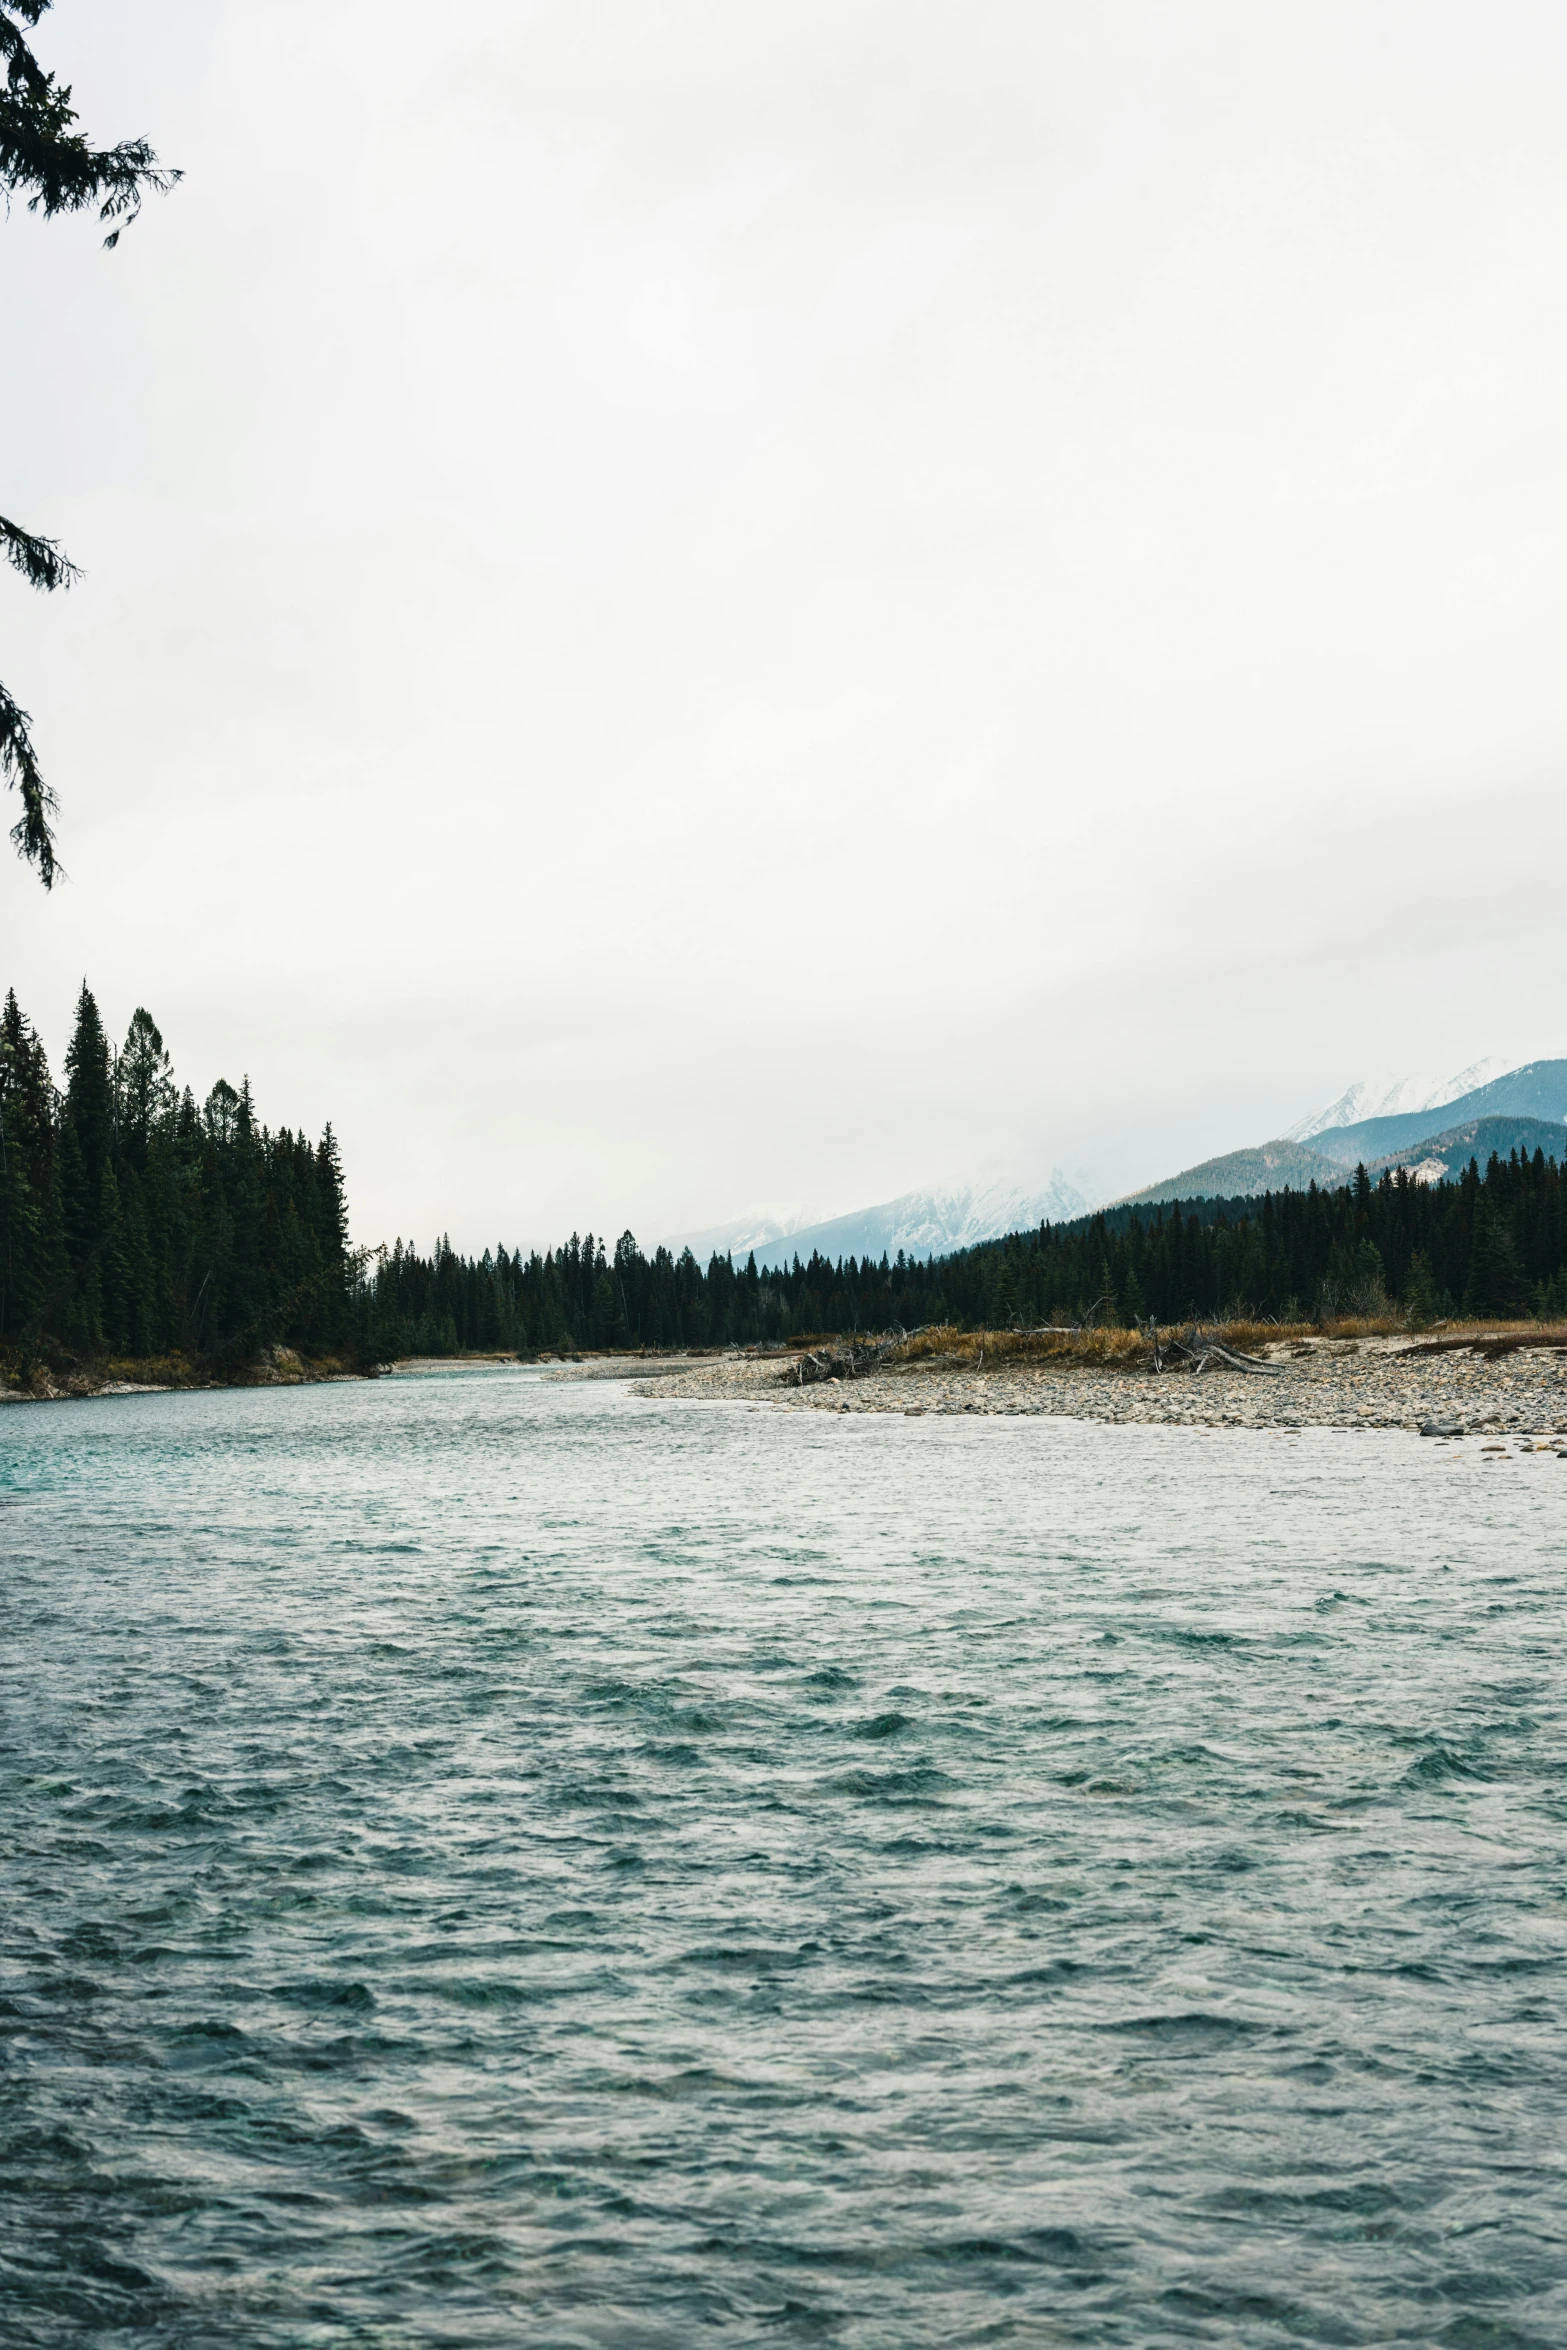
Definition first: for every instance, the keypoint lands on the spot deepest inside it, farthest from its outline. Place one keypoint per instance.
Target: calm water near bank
(490, 1861)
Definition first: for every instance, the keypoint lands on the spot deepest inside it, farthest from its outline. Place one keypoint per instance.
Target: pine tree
(143, 1086)
(249, 1299)
(1496, 1283)
(78, 1205)
(26, 1137)
(140, 1332)
(330, 1226)
(109, 1250)
(89, 1094)
(19, 1239)
(1421, 1300)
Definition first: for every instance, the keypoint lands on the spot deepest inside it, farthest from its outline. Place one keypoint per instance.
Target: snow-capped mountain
(930, 1223)
(1394, 1097)
(1521, 1109)
(754, 1230)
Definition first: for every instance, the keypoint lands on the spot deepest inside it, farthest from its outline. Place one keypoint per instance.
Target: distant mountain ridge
(1537, 1090)
(1417, 1122)
(922, 1223)
(1394, 1097)
(934, 1223)
(1440, 1158)
(1245, 1174)
(756, 1230)
(1525, 1106)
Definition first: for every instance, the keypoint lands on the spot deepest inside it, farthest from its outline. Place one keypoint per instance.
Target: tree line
(1493, 1243)
(135, 1222)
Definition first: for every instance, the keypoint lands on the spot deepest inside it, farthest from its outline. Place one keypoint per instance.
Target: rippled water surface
(487, 1861)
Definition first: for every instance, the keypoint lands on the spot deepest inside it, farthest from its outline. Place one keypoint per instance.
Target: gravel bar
(1318, 1383)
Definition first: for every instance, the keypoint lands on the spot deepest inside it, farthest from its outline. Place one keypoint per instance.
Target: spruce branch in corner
(32, 834)
(44, 156)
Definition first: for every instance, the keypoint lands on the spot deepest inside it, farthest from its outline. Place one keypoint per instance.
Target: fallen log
(1200, 1350)
(851, 1361)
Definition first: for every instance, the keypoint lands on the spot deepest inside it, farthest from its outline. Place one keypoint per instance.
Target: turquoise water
(496, 1862)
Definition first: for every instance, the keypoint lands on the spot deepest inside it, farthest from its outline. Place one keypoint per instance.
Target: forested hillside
(134, 1222)
(1488, 1244)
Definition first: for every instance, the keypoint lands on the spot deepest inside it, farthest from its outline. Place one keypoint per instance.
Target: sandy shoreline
(1321, 1383)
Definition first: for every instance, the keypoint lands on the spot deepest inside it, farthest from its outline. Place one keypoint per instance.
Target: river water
(493, 1861)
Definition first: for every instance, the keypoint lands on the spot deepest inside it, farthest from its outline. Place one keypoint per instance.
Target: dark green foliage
(145, 1078)
(1422, 1300)
(42, 152)
(44, 156)
(1496, 1282)
(1499, 1242)
(29, 1219)
(131, 1223)
(1356, 1280)
(43, 563)
(32, 835)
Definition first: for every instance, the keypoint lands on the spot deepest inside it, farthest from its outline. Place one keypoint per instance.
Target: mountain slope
(1523, 1109)
(1538, 1090)
(1435, 1156)
(743, 1233)
(1247, 1174)
(1443, 1157)
(1394, 1097)
(932, 1223)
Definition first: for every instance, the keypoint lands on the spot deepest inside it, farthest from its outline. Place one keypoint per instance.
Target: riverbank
(282, 1366)
(1504, 1383)
(174, 1374)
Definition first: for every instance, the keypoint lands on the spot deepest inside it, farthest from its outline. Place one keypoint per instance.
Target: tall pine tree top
(144, 1085)
(89, 1091)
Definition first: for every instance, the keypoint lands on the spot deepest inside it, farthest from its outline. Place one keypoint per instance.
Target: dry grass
(1123, 1348)
(50, 1375)
(170, 1370)
(1352, 1326)
(57, 1374)
(1128, 1349)
(1249, 1338)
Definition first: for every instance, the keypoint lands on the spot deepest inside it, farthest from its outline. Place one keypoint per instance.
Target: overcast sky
(689, 604)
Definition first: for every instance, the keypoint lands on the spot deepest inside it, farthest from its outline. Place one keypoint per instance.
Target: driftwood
(850, 1360)
(853, 1358)
(1489, 1343)
(1200, 1348)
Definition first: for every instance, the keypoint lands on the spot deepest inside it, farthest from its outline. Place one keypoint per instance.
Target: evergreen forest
(1491, 1244)
(136, 1223)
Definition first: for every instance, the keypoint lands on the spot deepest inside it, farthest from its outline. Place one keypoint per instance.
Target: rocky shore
(1311, 1383)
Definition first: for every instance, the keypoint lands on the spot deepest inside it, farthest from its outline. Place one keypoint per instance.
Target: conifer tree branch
(45, 157)
(32, 834)
(43, 154)
(43, 563)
